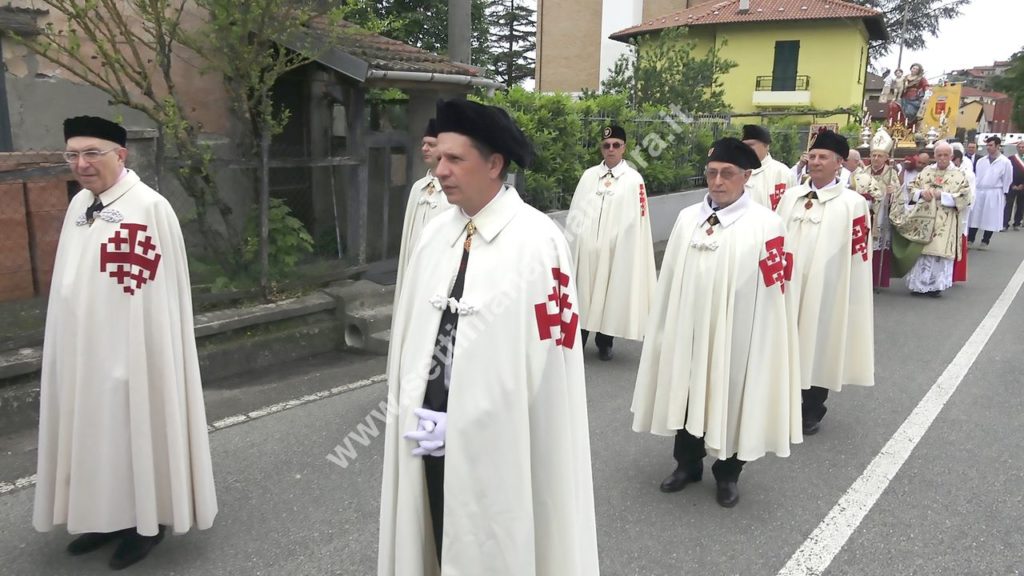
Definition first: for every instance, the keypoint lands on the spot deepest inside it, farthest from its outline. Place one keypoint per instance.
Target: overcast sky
(988, 30)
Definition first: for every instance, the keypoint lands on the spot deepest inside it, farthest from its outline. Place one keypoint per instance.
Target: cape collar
(119, 188)
(827, 193)
(493, 218)
(728, 215)
(764, 163)
(618, 171)
(430, 179)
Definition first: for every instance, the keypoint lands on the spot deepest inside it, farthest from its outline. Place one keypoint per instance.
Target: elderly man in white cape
(487, 452)
(829, 229)
(123, 447)
(768, 183)
(946, 188)
(609, 232)
(426, 201)
(719, 367)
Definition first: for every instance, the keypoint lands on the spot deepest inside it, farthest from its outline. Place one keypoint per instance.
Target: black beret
(488, 125)
(431, 130)
(95, 128)
(756, 132)
(613, 131)
(734, 151)
(829, 140)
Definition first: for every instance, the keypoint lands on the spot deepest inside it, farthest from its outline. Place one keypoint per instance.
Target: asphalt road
(955, 507)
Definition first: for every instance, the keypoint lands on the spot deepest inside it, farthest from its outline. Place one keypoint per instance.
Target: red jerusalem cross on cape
(860, 236)
(548, 320)
(777, 266)
(777, 193)
(130, 257)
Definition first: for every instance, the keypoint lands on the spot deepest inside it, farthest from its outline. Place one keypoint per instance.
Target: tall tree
(665, 71)
(1012, 83)
(423, 23)
(911, 22)
(513, 42)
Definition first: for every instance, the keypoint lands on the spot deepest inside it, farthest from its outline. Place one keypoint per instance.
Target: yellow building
(790, 55)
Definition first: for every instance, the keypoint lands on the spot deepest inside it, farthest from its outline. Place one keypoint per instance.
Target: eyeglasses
(726, 174)
(611, 145)
(89, 156)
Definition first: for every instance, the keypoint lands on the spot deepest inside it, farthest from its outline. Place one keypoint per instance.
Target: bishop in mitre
(879, 183)
(768, 183)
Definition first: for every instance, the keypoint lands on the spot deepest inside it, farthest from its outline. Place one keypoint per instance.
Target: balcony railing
(782, 83)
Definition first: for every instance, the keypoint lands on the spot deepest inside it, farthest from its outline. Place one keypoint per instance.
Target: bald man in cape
(124, 454)
(719, 367)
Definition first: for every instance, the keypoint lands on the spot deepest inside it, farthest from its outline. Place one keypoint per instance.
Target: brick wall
(33, 200)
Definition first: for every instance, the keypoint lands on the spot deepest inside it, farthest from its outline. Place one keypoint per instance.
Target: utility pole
(460, 30)
(903, 34)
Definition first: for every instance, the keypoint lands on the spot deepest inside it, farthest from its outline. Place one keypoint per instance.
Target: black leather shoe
(133, 548)
(935, 293)
(605, 354)
(811, 428)
(93, 541)
(678, 480)
(727, 494)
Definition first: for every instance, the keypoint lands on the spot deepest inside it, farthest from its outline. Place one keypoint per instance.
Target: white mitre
(881, 141)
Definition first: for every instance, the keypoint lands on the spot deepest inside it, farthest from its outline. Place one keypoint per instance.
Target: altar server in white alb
(719, 367)
(487, 450)
(768, 183)
(829, 231)
(993, 176)
(124, 454)
(426, 201)
(609, 232)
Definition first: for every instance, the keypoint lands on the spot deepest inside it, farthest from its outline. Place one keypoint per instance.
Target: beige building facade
(573, 49)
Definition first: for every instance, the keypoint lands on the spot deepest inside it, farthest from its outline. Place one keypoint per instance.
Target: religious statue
(910, 91)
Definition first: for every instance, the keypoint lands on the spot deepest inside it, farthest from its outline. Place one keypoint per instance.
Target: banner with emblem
(942, 112)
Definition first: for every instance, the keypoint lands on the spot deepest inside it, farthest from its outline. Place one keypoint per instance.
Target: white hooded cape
(831, 243)
(423, 205)
(768, 183)
(721, 353)
(122, 426)
(518, 490)
(609, 232)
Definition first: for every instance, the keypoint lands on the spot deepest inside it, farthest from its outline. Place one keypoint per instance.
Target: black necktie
(91, 211)
(436, 398)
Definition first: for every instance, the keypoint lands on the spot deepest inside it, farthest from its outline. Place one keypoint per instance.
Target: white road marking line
(230, 421)
(821, 547)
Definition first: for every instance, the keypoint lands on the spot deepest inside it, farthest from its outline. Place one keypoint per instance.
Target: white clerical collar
(619, 169)
(832, 190)
(493, 218)
(728, 215)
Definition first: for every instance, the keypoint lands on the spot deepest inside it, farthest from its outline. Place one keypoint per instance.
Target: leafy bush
(289, 240)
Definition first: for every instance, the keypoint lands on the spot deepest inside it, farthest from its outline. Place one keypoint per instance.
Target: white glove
(430, 433)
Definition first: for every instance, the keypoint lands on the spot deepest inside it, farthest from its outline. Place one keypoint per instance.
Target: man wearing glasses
(123, 447)
(719, 367)
(609, 233)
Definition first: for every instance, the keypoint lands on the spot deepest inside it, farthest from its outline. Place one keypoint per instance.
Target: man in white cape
(993, 176)
(768, 183)
(487, 454)
(719, 367)
(426, 201)
(829, 229)
(123, 447)
(609, 232)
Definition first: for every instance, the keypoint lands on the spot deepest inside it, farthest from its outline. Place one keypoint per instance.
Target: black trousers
(689, 451)
(972, 233)
(1012, 197)
(433, 466)
(602, 340)
(813, 406)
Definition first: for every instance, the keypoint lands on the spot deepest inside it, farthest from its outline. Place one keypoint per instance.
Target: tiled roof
(728, 12)
(971, 92)
(385, 54)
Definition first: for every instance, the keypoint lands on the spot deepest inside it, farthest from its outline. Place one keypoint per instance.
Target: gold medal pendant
(607, 183)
